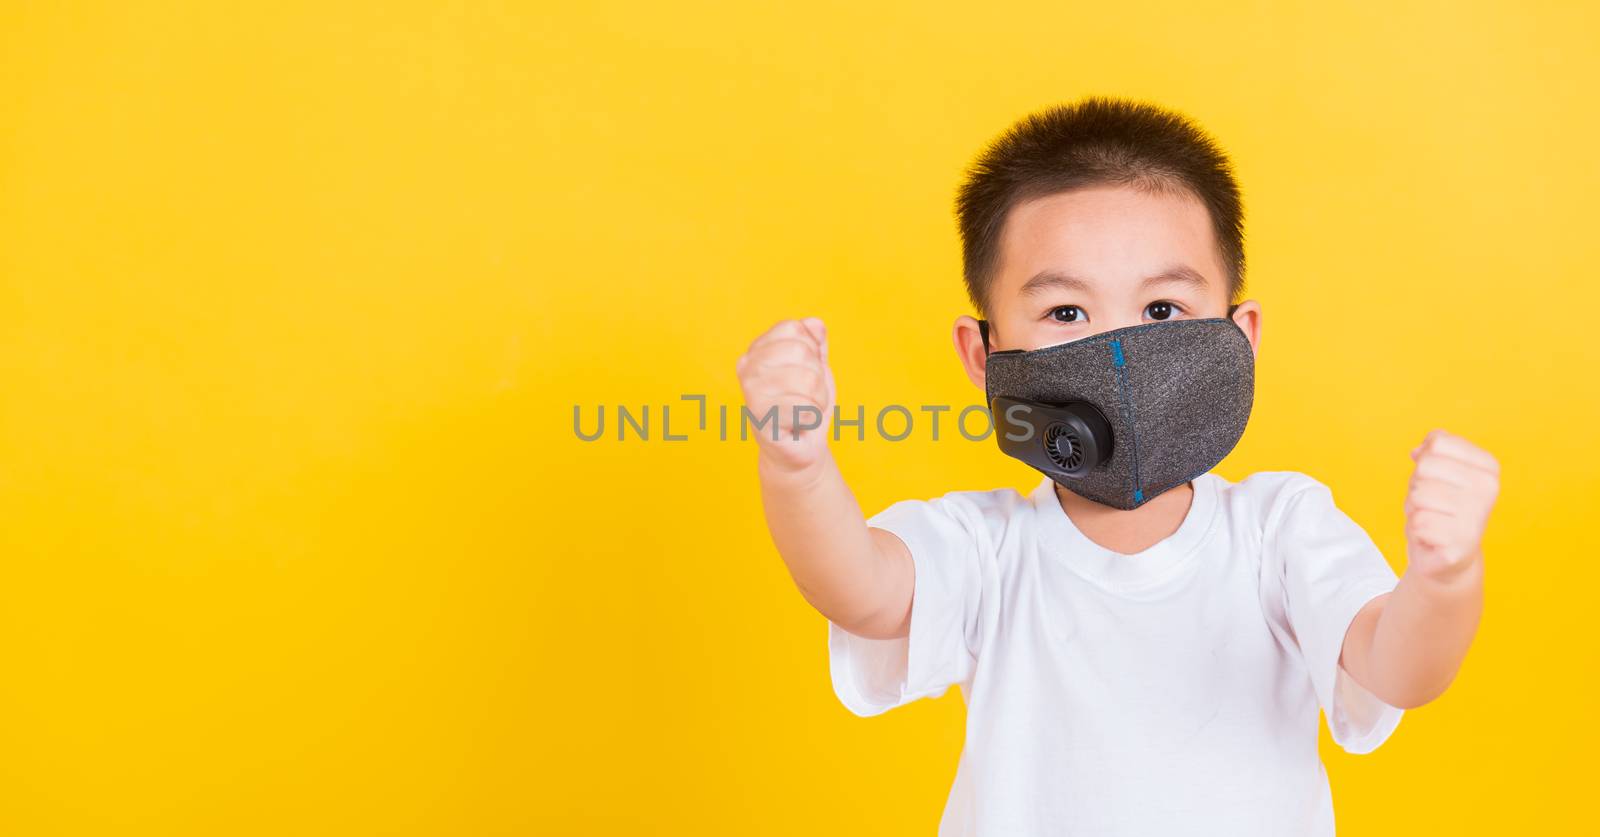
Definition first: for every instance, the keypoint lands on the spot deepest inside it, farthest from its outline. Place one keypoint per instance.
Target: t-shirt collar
(1142, 572)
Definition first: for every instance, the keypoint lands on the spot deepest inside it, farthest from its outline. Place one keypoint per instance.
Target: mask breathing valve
(1069, 439)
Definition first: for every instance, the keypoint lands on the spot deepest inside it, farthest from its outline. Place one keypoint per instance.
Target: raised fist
(788, 389)
(1453, 487)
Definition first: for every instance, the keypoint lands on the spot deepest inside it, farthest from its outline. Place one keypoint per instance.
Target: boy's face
(1093, 259)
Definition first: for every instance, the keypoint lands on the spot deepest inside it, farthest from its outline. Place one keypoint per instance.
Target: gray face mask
(1122, 416)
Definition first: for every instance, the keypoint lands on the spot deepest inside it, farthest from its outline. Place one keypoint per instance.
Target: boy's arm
(1406, 646)
(858, 577)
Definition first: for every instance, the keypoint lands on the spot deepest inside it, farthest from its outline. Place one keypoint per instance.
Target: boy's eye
(1066, 314)
(1160, 310)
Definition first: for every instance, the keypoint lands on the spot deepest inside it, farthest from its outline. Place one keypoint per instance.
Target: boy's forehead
(1109, 238)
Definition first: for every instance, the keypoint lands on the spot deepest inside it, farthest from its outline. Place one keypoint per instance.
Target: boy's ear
(969, 347)
(1247, 315)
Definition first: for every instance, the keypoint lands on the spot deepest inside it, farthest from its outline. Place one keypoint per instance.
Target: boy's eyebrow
(1181, 275)
(1046, 280)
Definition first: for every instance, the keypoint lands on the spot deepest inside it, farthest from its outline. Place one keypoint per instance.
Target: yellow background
(296, 303)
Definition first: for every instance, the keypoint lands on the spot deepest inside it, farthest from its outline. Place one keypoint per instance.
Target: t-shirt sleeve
(1331, 568)
(872, 676)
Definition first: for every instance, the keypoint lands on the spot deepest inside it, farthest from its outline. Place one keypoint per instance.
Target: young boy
(1135, 664)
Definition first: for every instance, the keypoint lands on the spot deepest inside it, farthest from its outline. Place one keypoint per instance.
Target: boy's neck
(1128, 531)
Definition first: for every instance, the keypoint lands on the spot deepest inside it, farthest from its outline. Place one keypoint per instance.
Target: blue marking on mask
(1120, 363)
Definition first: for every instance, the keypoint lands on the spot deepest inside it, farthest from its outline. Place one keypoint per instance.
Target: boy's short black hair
(1098, 140)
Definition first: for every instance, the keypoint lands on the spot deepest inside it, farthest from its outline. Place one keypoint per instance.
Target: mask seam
(1119, 362)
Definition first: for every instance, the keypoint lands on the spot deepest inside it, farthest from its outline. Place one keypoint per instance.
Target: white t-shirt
(1170, 692)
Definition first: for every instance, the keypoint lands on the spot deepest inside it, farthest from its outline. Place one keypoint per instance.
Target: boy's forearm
(1406, 646)
(1407, 650)
(831, 553)
(859, 578)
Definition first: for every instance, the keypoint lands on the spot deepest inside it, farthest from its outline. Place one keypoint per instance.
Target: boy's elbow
(1412, 695)
(1407, 700)
(881, 626)
(871, 605)
(867, 623)
(868, 620)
